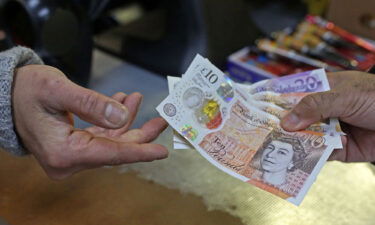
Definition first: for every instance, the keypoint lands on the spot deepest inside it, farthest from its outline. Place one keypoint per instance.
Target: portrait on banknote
(272, 159)
(239, 131)
(283, 163)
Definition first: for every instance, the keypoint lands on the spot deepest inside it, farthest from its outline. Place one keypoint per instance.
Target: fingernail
(291, 121)
(116, 113)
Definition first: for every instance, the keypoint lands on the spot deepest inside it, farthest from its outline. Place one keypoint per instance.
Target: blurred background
(131, 45)
(163, 36)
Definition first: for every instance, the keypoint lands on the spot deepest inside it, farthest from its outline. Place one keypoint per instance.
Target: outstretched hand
(43, 103)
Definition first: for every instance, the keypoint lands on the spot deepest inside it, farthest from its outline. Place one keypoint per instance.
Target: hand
(352, 100)
(43, 103)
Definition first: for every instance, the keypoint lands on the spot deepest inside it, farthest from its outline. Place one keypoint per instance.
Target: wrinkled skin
(43, 103)
(352, 100)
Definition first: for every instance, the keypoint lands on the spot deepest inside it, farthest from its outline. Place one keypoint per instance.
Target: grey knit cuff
(9, 60)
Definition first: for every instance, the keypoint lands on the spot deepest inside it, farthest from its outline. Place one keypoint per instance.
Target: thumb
(89, 105)
(313, 108)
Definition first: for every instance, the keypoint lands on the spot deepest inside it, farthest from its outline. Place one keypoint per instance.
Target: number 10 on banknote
(218, 119)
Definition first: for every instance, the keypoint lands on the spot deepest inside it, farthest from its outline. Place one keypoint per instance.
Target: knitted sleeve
(9, 61)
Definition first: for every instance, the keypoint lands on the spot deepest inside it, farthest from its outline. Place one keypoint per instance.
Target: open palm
(44, 102)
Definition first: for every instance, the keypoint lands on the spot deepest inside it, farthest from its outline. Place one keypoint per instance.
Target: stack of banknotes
(236, 127)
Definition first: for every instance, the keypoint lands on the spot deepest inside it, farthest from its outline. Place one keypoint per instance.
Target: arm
(9, 61)
(43, 103)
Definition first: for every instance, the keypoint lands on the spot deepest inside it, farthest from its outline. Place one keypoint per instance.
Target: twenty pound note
(218, 119)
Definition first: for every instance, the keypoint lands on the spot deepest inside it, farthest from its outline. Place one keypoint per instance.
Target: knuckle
(48, 85)
(79, 141)
(88, 102)
(52, 83)
(309, 102)
(319, 104)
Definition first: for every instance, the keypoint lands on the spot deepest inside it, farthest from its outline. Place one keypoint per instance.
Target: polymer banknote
(220, 121)
(288, 91)
(279, 95)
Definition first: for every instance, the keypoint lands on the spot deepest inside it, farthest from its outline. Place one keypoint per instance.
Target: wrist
(10, 60)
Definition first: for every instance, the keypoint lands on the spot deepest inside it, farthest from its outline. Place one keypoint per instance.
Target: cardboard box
(244, 72)
(357, 16)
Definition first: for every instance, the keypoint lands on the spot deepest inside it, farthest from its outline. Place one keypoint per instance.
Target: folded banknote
(229, 127)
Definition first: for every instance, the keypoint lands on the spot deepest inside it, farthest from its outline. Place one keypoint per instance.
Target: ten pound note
(222, 122)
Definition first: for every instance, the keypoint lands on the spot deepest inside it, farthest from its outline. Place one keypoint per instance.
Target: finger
(132, 103)
(340, 154)
(87, 104)
(336, 78)
(314, 108)
(97, 151)
(106, 153)
(149, 132)
(119, 96)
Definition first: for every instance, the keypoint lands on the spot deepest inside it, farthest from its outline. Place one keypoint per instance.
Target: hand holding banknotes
(351, 99)
(43, 103)
(237, 127)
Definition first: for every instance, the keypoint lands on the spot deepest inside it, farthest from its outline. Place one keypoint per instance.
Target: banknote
(277, 97)
(288, 91)
(220, 122)
(309, 81)
(180, 142)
